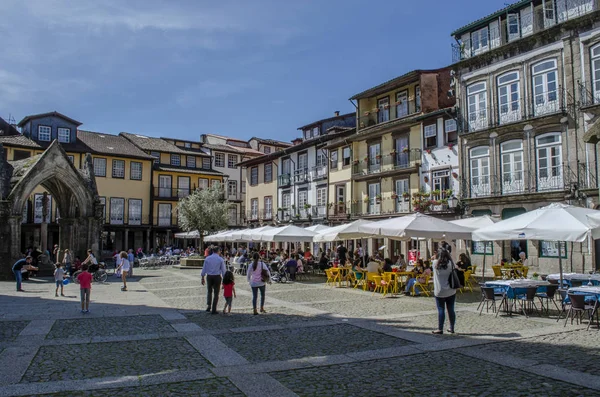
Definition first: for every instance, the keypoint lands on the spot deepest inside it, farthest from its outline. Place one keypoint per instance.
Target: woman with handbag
(258, 274)
(444, 288)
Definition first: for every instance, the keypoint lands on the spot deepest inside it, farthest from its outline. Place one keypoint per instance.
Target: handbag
(453, 279)
(264, 273)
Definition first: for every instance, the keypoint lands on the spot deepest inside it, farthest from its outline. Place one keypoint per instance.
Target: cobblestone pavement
(157, 340)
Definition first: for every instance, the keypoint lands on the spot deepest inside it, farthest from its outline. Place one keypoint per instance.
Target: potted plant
(450, 146)
(378, 197)
(378, 157)
(394, 195)
(355, 162)
(366, 159)
(405, 149)
(393, 153)
(406, 194)
(535, 276)
(293, 206)
(329, 205)
(448, 192)
(454, 175)
(307, 206)
(426, 179)
(366, 199)
(435, 192)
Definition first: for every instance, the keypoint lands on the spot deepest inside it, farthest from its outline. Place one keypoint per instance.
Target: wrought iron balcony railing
(586, 96)
(407, 158)
(284, 180)
(167, 193)
(394, 111)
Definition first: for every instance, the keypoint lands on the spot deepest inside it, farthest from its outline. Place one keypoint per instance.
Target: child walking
(124, 269)
(85, 284)
(59, 276)
(228, 291)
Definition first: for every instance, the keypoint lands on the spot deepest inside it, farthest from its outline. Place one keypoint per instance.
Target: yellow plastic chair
(391, 279)
(525, 271)
(468, 281)
(331, 277)
(360, 281)
(380, 285)
(497, 272)
(424, 286)
(370, 277)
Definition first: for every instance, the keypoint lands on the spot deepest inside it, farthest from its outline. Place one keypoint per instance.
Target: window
(243, 187)
(175, 160)
(383, 107)
(549, 13)
(117, 211)
(321, 197)
(206, 163)
(333, 159)
(215, 183)
(135, 212)
(545, 87)
(286, 166)
(164, 215)
(202, 183)
(191, 161)
(482, 247)
(99, 166)
(401, 145)
(302, 199)
(417, 99)
(513, 27)
(44, 133)
(307, 134)
(509, 103)
(440, 181)
(403, 196)
(232, 215)
(316, 132)
(402, 104)
(219, 160)
(254, 208)
(267, 149)
(303, 161)
(21, 154)
(135, 171)
(477, 106)
(480, 171)
(479, 41)
(232, 189)
(549, 162)
(430, 135)
(512, 167)
(164, 185)
(156, 156)
(187, 145)
(286, 200)
(268, 207)
(268, 172)
(232, 160)
(64, 135)
(254, 176)
(183, 186)
(374, 206)
(346, 156)
(526, 21)
(595, 56)
(569, 9)
(374, 157)
(118, 169)
(103, 203)
(38, 208)
(549, 249)
(71, 159)
(451, 131)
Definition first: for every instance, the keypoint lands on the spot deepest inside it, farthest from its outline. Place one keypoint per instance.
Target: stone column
(126, 240)
(44, 225)
(148, 239)
(66, 234)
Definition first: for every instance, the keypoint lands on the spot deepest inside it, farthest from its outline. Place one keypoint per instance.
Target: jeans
(68, 269)
(449, 304)
(213, 285)
(292, 272)
(19, 278)
(255, 296)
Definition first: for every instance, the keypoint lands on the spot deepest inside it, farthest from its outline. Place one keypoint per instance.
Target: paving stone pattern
(109, 326)
(244, 318)
(95, 360)
(215, 387)
(11, 329)
(307, 342)
(429, 374)
(376, 306)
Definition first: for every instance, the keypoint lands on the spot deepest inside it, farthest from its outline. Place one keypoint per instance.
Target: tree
(204, 210)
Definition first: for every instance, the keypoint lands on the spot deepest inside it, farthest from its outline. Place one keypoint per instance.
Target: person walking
(256, 281)
(444, 295)
(213, 270)
(17, 267)
(131, 259)
(124, 269)
(85, 288)
(228, 291)
(59, 276)
(67, 261)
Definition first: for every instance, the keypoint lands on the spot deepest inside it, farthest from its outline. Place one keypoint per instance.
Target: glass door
(164, 185)
(374, 157)
(508, 98)
(403, 199)
(401, 147)
(183, 186)
(374, 198)
(512, 167)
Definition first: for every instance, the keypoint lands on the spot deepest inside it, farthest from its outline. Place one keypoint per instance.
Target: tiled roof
(19, 141)
(232, 149)
(49, 114)
(341, 116)
(157, 144)
(113, 145)
(273, 142)
(394, 83)
(188, 170)
(490, 17)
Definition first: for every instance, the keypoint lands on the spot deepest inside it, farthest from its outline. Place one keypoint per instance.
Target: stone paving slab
(429, 374)
(180, 292)
(109, 326)
(9, 330)
(306, 342)
(375, 306)
(317, 294)
(215, 387)
(55, 363)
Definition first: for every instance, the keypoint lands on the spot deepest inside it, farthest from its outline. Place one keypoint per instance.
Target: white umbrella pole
(560, 267)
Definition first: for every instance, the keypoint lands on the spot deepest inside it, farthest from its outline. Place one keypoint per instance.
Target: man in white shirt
(213, 269)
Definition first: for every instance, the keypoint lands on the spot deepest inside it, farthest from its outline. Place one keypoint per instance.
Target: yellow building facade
(261, 190)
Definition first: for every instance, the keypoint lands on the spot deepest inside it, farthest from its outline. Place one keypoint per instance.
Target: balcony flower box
(428, 151)
(454, 175)
(439, 207)
(405, 149)
(406, 194)
(394, 195)
(366, 200)
(378, 157)
(450, 146)
(393, 153)
(355, 162)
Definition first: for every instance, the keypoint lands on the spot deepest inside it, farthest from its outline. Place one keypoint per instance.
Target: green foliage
(204, 210)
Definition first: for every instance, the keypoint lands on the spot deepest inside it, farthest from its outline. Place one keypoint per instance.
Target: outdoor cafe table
(513, 288)
(568, 277)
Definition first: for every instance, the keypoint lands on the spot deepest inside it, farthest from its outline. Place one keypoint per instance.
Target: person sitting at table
(464, 263)
(522, 258)
(292, 266)
(401, 263)
(373, 266)
(420, 275)
(387, 265)
(323, 262)
(308, 255)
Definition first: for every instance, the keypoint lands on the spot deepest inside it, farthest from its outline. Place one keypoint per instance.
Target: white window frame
(509, 97)
(232, 160)
(202, 183)
(268, 203)
(100, 165)
(550, 176)
(268, 166)
(316, 132)
(402, 109)
(286, 200)
(190, 161)
(477, 114)
(183, 186)
(117, 210)
(135, 212)
(512, 166)
(254, 175)
(134, 173)
(383, 106)
(206, 163)
(595, 71)
(480, 41)
(333, 159)
(374, 207)
(165, 214)
(220, 160)
(402, 203)
(303, 161)
(544, 80)
(450, 127)
(254, 208)
(175, 160)
(513, 26)
(156, 156)
(346, 159)
(46, 135)
(232, 188)
(480, 161)
(429, 132)
(64, 135)
(118, 169)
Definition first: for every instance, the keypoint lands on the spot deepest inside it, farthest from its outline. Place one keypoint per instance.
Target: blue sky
(239, 68)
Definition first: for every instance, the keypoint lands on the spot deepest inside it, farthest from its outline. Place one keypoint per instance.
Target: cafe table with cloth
(513, 289)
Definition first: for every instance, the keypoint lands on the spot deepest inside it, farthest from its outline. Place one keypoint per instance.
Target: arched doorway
(74, 192)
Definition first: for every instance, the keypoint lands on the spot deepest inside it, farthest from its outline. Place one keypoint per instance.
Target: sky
(238, 68)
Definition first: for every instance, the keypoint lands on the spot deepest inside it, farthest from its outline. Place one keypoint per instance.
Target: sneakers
(62, 294)
(83, 312)
(87, 311)
(56, 295)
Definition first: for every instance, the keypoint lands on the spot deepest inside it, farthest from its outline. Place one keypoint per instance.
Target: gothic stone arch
(73, 190)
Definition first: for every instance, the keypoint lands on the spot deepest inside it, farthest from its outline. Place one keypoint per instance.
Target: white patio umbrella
(555, 222)
(347, 231)
(318, 228)
(249, 234)
(289, 233)
(221, 236)
(594, 220)
(416, 225)
(192, 234)
(475, 223)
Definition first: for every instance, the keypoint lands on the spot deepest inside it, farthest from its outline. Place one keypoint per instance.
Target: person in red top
(228, 291)
(85, 285)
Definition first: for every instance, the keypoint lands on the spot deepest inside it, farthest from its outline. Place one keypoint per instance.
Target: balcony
(390, 163)
(318, 173)
(164, 221)
(541, 19)
(525, 108)
(266, 215)
(167, 193)
(338, 210)
(233, 196)
(587, 97)
(252, 215)
(284, 180)
(301, 176)
(384, 114)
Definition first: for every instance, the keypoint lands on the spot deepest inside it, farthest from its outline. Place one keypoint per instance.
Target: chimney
(337, 113)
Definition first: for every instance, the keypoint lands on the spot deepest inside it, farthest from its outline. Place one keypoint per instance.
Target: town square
(300, 199)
